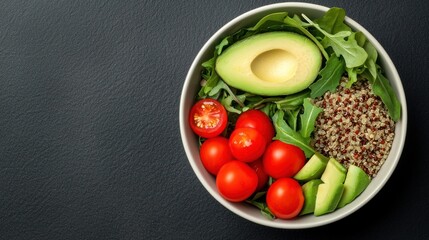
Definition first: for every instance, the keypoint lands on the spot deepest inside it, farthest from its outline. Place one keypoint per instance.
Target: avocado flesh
(313, 169)
(356, 182)
(330, 191)
(328, 197)
(270, 64)
(334, 172)
(309, 190)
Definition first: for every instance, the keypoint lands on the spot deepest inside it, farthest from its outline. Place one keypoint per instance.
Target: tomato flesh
(285, 198)
(247, 144)
(208, 118)
(236, 181)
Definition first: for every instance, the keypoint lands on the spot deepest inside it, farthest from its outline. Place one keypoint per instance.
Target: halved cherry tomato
(282, 159)
(208, 118)
(214, 153)
(258, 120)
(285, 198)
(247, 144)
(262, 175)
(236, 181)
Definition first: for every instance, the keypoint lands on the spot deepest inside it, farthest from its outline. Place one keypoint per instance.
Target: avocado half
(270, 64)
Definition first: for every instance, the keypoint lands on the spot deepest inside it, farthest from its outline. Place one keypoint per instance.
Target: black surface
(89, 135)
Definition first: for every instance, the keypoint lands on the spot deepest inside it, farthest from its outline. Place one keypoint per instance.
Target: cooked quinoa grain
(354, 128)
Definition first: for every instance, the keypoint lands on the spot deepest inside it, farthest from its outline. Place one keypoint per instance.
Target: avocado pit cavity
(276, 65)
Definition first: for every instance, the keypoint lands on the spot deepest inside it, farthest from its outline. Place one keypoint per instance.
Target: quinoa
(354, 128)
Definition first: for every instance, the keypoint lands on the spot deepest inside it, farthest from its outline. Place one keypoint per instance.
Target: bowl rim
(285, 224)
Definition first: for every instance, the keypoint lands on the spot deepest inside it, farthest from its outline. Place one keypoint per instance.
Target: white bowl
(190, 141)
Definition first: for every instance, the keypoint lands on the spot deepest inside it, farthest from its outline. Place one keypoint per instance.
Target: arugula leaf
(293, 101)
(352, 74)
(297, 23)
(360, 38)
(330, 77)
(269, 109)
(210, 75)
(219, 48)
(308, 118)
(370, 62)
(333, 21)
(263, 207)
(275, 17)
(211, 82)
(382, 88)
(353, 54)
(227, 103)
(291, 117)
(286, 134)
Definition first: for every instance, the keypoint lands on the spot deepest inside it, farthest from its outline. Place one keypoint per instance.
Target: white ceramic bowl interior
(190, 141)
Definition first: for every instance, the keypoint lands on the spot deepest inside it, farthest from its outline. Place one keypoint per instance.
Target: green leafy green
(265, 211)
(210, 76)
(269, 109)
(353, 54)
(382, 88)
(293, 101)
(308, 118)
(371, 61)
(360, 38)
(297, 23)
(333, 21)
(330, 77)
(226, 101)
(291, 117)
(274, 17)
(286, 134)
(380, 84)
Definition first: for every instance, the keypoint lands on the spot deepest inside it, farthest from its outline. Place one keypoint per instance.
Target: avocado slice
(334, 172)
(309, 190)
(356, 182)
(313, 169)
(328, 197)
(270, 64)
(330, 191)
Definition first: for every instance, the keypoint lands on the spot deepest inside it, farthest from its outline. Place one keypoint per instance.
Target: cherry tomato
(214, 153)
(236, 181)
(208, 118)
(285, 198)
(247, 144)
(258, 120)
(282, 159)
(262, 175)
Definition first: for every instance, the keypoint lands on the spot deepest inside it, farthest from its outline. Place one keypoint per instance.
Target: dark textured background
(89, 135)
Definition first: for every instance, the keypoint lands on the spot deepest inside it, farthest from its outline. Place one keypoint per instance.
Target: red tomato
(285, 198)
(258, 120)
(236, 181)
(282, 159)
(214, 153)
(208, 118)
(262, 175)
(247, 144)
